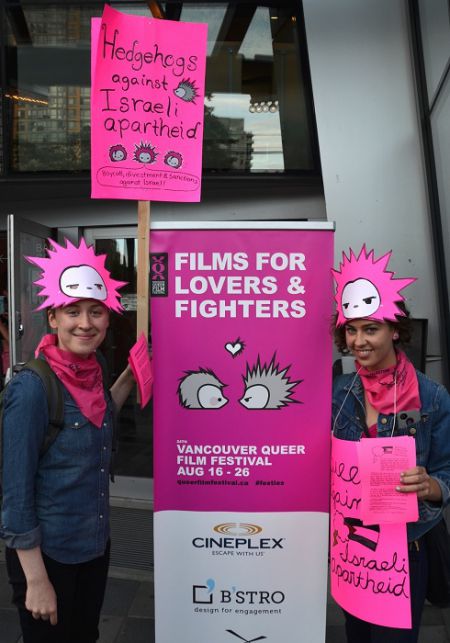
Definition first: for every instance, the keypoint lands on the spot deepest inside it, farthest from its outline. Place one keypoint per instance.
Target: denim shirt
(431, 433)
(60, 501)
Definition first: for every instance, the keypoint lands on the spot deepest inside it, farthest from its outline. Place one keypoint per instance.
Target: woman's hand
(40, 600)
(417, 480)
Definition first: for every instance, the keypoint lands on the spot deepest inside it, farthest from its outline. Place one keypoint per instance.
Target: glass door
(26, 326)
(133, 464)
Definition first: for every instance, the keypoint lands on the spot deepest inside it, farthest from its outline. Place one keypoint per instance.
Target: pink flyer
(147, 97)
(141, 366)
(240, 328)
(381, 463)
(369, 565)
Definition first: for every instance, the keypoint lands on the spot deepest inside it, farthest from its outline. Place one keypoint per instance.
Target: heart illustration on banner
(235, 348)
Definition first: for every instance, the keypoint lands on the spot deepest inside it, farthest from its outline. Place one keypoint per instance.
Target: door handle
(19, 326)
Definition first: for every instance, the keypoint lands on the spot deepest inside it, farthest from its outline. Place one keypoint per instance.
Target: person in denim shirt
(387, 397)
(55, 513)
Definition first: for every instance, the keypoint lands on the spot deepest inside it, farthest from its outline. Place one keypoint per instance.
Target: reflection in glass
(257, 113)
(34, 322)
(440, 123)
(48, 89)
(435, 27)
(134, 454)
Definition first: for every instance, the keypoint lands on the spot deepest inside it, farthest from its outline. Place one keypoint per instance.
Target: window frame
(312, 176)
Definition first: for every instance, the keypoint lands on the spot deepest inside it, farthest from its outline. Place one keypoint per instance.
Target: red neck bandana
(82, 377)
(396, 386)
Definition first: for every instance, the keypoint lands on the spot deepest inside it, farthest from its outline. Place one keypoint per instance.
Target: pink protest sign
(381, 463)
(147, 97)
(368, 563)
(141, 366)
(240, 327)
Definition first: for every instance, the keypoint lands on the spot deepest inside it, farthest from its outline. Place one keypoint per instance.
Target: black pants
(80, 590)
(362, 632)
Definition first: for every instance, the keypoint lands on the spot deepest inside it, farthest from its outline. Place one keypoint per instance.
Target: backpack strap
(55, 400)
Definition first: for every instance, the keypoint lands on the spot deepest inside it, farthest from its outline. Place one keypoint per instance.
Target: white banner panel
(240, 576)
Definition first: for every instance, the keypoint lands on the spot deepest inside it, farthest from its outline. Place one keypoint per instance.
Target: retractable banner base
(242, 399)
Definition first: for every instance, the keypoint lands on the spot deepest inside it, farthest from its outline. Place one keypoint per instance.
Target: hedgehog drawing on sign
(267, 387)
(173, 160)
(117, 153)
(201, 390)
(186, 90)
(144, 153)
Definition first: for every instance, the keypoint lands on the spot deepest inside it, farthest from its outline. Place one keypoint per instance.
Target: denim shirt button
(102, 471)
(76, 424)
(383, 420)
(101, 516)
(412, 431)
(105, 424)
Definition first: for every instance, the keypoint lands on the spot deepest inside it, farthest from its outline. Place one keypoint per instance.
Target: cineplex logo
(237, 539)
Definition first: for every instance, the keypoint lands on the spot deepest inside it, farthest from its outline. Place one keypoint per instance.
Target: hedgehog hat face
(366, 290)
(70, 274)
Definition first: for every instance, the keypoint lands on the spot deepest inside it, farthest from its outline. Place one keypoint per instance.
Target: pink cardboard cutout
(147, 106)
(369, 565)
(70, 274)
(366, 289)
(141, 366)
(242, 400)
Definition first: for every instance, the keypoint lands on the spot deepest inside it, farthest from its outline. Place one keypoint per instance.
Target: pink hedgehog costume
(386, 397)
(55, 512)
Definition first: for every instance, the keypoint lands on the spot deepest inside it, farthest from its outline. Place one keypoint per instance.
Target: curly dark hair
(403, 327)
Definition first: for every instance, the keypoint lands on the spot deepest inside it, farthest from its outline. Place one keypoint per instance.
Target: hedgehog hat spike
(366, 289)
(70, 274)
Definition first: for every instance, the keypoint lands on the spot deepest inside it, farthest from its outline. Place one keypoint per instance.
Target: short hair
(403, 327)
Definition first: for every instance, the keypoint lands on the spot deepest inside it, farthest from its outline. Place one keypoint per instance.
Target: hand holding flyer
(141, 366)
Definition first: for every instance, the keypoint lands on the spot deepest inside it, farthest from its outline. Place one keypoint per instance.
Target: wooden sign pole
(143, 264)
(143, 268)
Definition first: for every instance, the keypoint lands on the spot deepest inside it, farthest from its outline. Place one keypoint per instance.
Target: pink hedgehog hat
(366, 289)
(70, 274)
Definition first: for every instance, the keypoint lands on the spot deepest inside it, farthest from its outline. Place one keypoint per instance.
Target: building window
(430, 28)
(258, 105)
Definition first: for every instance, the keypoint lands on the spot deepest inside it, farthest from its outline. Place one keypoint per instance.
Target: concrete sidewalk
(128, 613)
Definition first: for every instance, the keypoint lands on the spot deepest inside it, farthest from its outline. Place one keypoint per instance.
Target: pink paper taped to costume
(141, 366)
(369, 565)
(366, 289)
(381, 462)
(148, 80)
(241, 418)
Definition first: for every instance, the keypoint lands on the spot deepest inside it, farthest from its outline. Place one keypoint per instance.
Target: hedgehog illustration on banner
(267, 387)
(201, 389)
